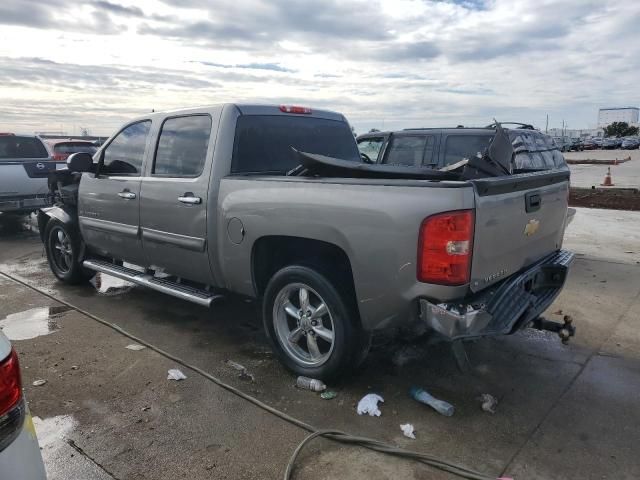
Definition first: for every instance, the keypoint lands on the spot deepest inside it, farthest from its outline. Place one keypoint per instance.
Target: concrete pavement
(565, 411)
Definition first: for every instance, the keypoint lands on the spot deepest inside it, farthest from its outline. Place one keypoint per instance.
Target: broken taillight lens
(10, 383)
(445, 247)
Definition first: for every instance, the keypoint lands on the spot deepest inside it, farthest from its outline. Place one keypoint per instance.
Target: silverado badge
(531, 227)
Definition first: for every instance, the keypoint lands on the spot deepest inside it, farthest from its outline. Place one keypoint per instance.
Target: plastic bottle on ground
(439, 406)
(310, 384)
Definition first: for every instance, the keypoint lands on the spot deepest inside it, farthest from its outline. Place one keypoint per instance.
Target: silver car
(20, 457)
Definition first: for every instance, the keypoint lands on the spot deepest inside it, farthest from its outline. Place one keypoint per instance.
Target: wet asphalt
(106, 411)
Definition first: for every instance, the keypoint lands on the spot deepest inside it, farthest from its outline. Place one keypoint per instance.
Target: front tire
(310, 325)
(64, 252)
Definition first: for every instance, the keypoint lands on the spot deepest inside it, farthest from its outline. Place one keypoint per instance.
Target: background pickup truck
(218, 199)
(25, 164)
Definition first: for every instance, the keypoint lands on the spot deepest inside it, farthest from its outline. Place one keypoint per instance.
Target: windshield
(263, 142)
(74, 147)
(12, 146)
(371, 147)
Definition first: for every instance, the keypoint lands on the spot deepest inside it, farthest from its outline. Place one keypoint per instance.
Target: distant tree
(620, 129)
(374, 130)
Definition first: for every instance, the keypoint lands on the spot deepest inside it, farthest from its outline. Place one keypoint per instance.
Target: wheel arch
(274, 252)
(64, 214)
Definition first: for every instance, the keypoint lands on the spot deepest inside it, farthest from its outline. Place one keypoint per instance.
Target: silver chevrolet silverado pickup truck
(274, 202)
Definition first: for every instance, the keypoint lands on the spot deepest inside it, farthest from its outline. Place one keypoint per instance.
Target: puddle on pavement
(108, 285)
(32, 323)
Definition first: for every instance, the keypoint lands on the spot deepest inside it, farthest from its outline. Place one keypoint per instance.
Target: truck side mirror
(80, 162)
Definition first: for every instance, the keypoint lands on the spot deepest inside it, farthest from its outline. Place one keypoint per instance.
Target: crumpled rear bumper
(504, 307)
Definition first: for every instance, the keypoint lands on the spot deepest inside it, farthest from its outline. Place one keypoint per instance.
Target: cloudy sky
(67, 64)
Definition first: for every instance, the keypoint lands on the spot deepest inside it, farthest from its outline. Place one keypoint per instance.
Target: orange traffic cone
(607, 179)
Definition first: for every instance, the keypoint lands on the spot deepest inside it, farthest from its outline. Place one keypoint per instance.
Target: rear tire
(64, 252)
(310, 325)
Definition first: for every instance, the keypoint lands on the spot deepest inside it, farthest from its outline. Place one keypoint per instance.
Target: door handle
(190, 199)
(126, 194)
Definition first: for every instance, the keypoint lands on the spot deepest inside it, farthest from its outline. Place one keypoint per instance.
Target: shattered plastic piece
(369, 405)
(440, 406)
(39, 383)
(312, 384)
(135, 347)
(244, 374)
(489, 402)
(175, 374)
(328, 395)
(408, 431)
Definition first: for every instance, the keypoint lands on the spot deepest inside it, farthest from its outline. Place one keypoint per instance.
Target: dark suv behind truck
(440, 147)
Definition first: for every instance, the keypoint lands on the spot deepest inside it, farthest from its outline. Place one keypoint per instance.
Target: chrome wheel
(62, 252)
(303, 324)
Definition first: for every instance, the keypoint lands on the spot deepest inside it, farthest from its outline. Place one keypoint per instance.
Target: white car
(20, 457)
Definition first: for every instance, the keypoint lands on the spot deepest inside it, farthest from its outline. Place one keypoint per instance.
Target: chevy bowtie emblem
(531, 227)
(40, 166)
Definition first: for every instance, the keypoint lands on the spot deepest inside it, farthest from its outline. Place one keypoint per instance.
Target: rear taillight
(10, 383)
(295, 109)
(445, 246)
(59, 157)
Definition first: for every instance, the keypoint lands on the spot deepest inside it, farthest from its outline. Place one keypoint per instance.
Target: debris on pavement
(175, 374)
(408, 430)
(313, 384)
(440, 406)
(108, 285)
(39, 383)
(328, 395)
(135, 347)
(74, 367)
(244, 374)
(489, 402)
(369, 405)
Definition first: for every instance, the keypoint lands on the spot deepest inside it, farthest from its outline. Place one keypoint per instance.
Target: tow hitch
(565, 330)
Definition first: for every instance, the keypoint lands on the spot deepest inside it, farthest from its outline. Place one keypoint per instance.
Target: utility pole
(546, 127)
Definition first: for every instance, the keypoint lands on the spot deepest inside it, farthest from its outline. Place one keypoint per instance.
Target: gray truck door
(173, 207)
(109, 203)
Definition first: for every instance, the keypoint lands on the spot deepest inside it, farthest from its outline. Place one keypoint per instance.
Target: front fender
(62, 213)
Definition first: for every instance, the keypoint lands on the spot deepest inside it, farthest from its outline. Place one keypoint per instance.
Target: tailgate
(24, 177)
(519, 220)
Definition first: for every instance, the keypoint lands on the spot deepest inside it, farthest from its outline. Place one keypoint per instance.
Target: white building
(606, 116)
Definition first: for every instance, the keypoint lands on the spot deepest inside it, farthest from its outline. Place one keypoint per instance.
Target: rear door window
(125, 153)
(410, 150)
(182, 146)
(458, 147)
(12, 146)
(263, 142)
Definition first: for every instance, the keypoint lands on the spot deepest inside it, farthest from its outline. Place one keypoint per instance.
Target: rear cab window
(15, 146)
(262, 143)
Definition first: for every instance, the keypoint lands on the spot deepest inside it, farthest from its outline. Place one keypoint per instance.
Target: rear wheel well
(273, 253)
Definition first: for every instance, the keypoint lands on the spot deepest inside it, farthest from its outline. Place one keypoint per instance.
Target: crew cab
(274, 203)
(25, 164)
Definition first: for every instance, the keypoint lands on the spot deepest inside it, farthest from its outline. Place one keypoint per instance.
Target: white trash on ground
(175, 374)
(440, 406)
(135, 347)
(408, 430)
(489, 402)
(39, 383)
(369, 405)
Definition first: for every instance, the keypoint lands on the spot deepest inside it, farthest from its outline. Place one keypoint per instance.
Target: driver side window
(124, 155)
